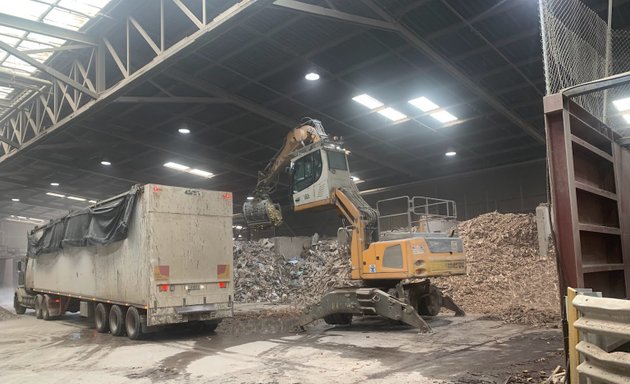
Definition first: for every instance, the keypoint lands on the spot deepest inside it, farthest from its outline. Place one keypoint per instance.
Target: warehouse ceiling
(237, 95)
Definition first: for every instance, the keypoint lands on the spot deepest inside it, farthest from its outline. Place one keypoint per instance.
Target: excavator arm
(260, 211)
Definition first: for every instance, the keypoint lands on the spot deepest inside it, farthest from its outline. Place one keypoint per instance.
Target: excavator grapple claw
(341, 303)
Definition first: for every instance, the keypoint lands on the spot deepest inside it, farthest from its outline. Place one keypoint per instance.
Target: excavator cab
(315, 172)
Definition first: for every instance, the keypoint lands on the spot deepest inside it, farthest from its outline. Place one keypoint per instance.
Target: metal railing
(599, 333)
(416, 214)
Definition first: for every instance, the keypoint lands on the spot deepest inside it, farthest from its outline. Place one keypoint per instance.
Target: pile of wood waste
(507, 279)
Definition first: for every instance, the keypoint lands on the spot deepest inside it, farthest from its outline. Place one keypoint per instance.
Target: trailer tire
(117, 320)
(101, 318)
(45, 308)
(19, 309)
(133, 324)
(38, 306)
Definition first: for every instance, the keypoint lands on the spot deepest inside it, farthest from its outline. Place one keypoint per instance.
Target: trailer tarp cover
(100, 224)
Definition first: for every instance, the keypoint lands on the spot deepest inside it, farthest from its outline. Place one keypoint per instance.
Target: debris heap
(260, 274)
(506, 278)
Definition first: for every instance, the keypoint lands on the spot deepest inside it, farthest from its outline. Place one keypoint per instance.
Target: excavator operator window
(337, 160)
(306, 171)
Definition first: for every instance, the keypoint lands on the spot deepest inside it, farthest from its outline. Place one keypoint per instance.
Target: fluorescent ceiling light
(622, 104)
(92, 201)
(450, 153)
(443, 117)
(15, 199)
(312, 76)
(105, 162)
(54, 184)
(239, 227)
(76, 198)
(424, 104)
(368, 101)
(201, 173)
(22, 217)
(392, 114)
(184, 131)
(55, 194)
(250, 198)
(34, 219)
(176, 166)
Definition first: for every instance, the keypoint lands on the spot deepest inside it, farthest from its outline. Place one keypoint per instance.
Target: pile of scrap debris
(262, 275)
(506, 280)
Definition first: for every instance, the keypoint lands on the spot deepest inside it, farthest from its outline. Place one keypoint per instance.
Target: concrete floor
(261, 349)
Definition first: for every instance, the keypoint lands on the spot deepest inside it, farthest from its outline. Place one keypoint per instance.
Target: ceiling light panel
(392, 114)
(627, 118)
(368, 101)
(176, 166)
(76, 198)
(201, 173)
(622, 104)
(443, 117)
(55, 194)
(424, 104)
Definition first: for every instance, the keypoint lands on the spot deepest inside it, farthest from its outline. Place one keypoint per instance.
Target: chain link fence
(577, 49)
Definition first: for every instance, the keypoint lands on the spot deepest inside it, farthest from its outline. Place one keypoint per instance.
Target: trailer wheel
(133, 324)
(19, 309)
(101, 318)
(38, 306)
(117, 320)
(45, 308)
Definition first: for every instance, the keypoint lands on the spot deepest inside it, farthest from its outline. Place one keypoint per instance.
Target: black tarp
(100, 224)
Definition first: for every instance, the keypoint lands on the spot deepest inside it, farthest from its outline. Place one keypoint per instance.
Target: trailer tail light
(163, 287)
(222, 284)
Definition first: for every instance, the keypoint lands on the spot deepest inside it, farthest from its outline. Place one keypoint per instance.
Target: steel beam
(448, 67)
(45, 68)
(215, 27)
(170, 100)
(12, 75)
(45, 29)
(334, 14)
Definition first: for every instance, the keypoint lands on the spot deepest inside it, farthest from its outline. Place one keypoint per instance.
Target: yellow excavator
(393, 254)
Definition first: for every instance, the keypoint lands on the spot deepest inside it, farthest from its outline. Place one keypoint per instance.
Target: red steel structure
(589, 174)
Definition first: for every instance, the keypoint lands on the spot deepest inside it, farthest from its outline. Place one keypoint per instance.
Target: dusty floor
(251, 349)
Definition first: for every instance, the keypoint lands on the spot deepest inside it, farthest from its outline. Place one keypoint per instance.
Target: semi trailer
(153, 256)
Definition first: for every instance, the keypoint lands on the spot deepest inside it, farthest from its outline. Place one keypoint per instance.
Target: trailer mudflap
(202, 308)
(363, 301)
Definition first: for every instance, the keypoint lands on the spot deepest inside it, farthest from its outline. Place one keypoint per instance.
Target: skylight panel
(52, 41)
(8, 31)
(87, 7)
(12, 41)
(65, 19)
(26, 45)
(27, 9)
(5, 91)
(17, 64)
